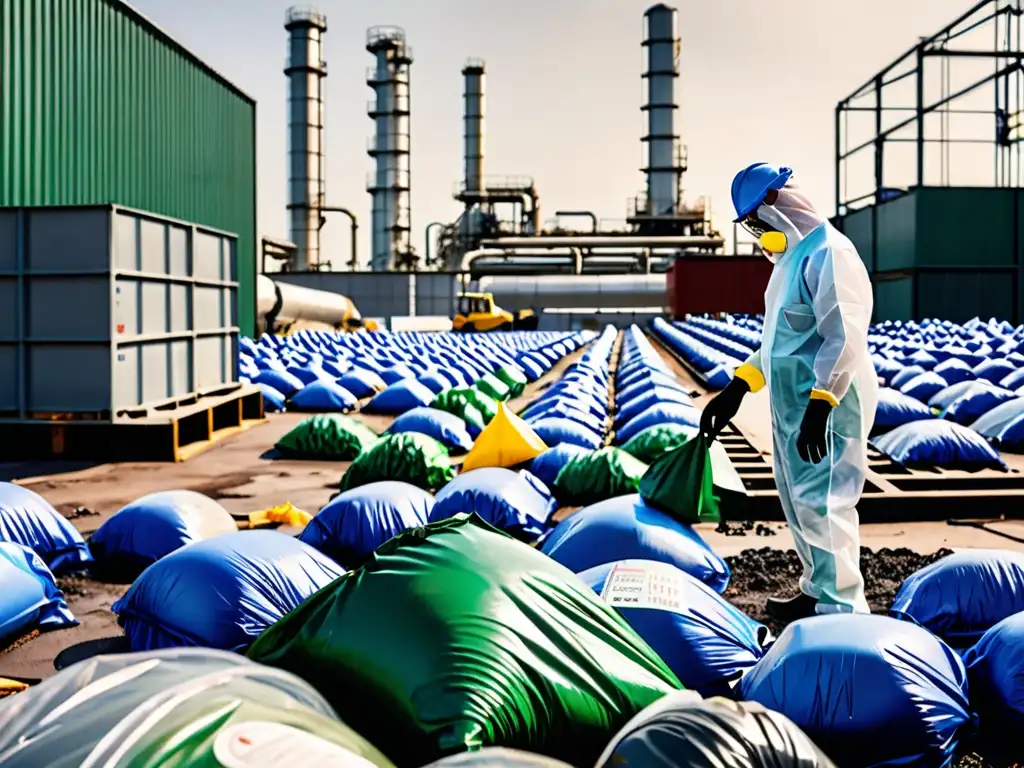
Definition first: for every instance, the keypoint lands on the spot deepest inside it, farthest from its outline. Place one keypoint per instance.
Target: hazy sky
(759, 81)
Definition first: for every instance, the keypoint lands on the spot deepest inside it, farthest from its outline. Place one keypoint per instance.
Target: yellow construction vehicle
(477, 312)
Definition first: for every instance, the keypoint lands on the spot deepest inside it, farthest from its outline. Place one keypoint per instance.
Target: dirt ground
(760, 573)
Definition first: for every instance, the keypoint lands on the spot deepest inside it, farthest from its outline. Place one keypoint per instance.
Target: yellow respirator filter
(773, 242)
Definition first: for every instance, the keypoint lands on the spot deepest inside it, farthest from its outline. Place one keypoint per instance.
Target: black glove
(720, 411)
(812, 442)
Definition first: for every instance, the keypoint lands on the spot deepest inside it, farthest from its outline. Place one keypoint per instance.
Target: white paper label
(269, 745)
(651, 585)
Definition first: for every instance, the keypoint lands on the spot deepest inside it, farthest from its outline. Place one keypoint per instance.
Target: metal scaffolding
(934, 99)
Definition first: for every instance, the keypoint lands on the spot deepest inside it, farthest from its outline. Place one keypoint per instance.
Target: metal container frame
(116, 413)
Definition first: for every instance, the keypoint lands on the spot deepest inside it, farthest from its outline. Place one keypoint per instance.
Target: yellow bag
(505, 442)
(283, 514)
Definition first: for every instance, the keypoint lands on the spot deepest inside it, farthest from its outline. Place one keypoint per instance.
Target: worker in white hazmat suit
(821, 383)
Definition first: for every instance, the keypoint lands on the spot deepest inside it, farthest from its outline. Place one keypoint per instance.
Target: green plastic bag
(513, 378)
(653, 442)
(493, 387)
(409, 457)
(176, 707)
(681, 484)
(598, 476)
(463, 402)
(456, 637)
(331, 436)
(484, 403)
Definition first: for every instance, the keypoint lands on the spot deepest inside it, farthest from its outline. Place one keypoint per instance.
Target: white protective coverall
(814, 346)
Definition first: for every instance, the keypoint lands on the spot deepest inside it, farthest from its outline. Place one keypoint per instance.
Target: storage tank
(576, 291)
(281, 305)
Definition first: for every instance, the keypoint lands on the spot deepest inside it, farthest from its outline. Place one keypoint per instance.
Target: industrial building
(944, 239)
(185, 149)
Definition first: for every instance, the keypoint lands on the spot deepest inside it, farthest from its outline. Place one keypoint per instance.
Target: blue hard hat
(754, 182)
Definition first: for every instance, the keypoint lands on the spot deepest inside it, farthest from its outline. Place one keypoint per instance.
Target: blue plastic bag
(501, 497)
(396, 373)
(362, 382)
(896, 409)
(967, 408)
(447, 428)
(138, 535)
(994, 370)
(222, 592)
(26, 518)
(548, 464)
(627, 529)
(667, 413)
(995, 670)
(955, 371)
(563, 409)
(905, 375)
(632, 408)
(273, 401)
(435, 381)
(869, 690)
(999, 418)
(938, 443)
(400, 397)
(355, 523)
(924, 386)
(962, 596)
(282, 381)
(555, 431)
(704, 640)
(324, 397)
(29, 597)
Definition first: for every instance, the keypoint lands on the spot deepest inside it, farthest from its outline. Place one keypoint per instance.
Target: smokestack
(306, 72)
(389, 184)
(474, 74)
(665, 158)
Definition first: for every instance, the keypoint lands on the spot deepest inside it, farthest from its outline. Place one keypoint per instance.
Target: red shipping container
(711, 284)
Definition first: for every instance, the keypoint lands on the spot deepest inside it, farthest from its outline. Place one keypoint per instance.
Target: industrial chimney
(666, 160)
(306, 72)
(389, 183)
(473, 75)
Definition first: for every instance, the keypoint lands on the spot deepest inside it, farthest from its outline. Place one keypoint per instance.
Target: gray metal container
(107, 313)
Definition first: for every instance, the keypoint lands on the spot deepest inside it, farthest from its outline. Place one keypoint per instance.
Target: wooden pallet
(892, 493)
(173, 435)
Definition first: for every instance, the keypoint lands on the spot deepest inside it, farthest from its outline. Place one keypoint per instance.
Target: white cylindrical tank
(593, 292)
(281, 304)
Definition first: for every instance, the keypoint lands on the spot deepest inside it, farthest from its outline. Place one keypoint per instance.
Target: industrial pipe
(282, 250)
(590, 215)
(605, 241)
(353, 262)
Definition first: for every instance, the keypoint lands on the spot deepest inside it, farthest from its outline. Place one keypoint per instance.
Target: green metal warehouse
(98, 105)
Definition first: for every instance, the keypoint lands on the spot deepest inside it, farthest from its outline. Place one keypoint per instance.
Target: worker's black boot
(799, 607)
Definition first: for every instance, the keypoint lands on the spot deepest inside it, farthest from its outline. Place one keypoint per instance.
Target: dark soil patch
(76, 586)
(758, 574)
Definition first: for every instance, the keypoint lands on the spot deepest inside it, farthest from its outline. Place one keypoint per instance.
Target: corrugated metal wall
(946, 252)
(98, 106)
